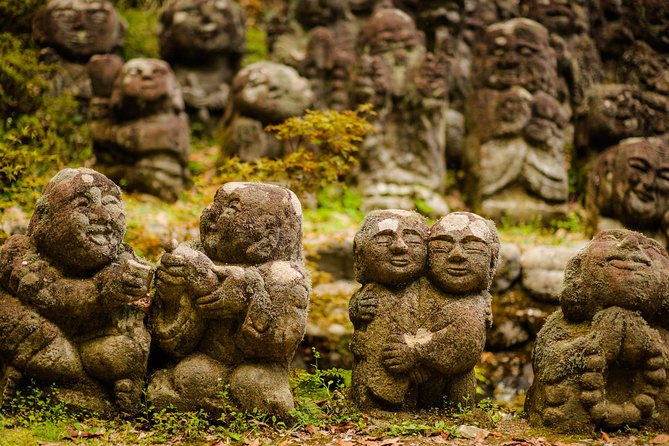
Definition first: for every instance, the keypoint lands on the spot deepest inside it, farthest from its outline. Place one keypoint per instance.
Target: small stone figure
(400, 164)
(141, 139)
(231, 308)
(600, 362)
(515, 154)
(204, 41)
(629, 187)
(72, 31)
(263, 93)
(420, 318)
(71, 298)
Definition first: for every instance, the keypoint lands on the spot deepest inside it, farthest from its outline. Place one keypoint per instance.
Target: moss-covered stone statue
(71, 298)
(263, 93)
(400, 164)
(204, 41)
(231, 308)
(628, 187)
(72, 31)
(421, 315)
(600, 362)
(141, 135)
(515, 147)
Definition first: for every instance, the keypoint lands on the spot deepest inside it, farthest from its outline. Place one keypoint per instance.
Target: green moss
(16, 15)
(141, 39)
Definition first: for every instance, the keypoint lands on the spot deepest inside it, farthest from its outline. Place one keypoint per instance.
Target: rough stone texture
(421, 314)
(600, 361)
(70, 293)
(516, 125)
(204, 41)
(71, 31)
(543, 269)
(140, 131)
(508, 268)
(263, 93)
(629, 187)
(231, 308)
(401, 164)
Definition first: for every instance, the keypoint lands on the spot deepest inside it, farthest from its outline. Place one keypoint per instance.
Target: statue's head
(391, 247)
(252, 223)
(79, 221)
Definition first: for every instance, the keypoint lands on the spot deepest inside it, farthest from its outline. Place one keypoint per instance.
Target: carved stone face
(391, 35)
(613, 112)
(462, 250)
(641, 182)
(449, 13)
(563, 17)
(517, 52)
(271, 92)
(545, 129)
(79, 221)
(252, 223)
(203, 26)
(623, 268)
(653, 18)
(371, 81)
(390, 247)
(80, 28)
(312, 13)
(512, 112)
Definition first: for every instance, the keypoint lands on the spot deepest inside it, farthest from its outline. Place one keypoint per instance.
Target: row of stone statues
(223, 315)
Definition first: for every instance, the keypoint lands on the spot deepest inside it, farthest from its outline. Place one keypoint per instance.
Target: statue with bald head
(71, 312)
(140, 134)
(231, 308)
(600, 362)
(71, 32)
(421, 315)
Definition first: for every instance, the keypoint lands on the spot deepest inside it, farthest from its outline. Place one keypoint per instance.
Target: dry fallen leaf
(660, 439)
(605, 436)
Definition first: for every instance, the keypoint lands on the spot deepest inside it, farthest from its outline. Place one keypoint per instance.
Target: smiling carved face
(79, 221)
(462, 253)
(390, 247)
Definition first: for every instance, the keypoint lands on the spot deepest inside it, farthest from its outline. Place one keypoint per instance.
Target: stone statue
(401, 164)
(515, 147)
(629, 188)
(263, 93)
(231, 308)
(72, 298)
(72, 31)
(318, 39)
(421, 315)
(204, 41)
(141, 136)
(600, 362)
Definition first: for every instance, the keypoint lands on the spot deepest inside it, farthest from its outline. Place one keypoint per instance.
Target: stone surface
(71, 312)
(543, 269)
(140, 131)
(263, 93)
(71, 31)
(629, 187)
(508, 268)
(421, 314)
(204, 41)
(600, 361)
(231, 308)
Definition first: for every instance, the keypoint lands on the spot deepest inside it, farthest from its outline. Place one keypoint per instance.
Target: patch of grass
(141, 38)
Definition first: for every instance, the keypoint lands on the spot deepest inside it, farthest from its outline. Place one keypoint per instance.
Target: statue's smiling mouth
(399, 261)
(629, 263)
(457, 270)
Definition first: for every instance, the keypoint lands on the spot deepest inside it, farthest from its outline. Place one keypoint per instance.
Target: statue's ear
(122, 28)
(40, 25)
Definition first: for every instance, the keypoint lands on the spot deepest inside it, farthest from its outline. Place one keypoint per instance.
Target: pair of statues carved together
(229, 309)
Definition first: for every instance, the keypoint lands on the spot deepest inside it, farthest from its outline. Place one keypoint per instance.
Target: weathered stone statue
(263, 93)
(515, 147)
(72, 31)
(141, 137)
(70, 298)
(231, 308)
(421, 315)
(318, 39)
(629, 188)
(204, 41)
(601, 360)
(401, 164)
